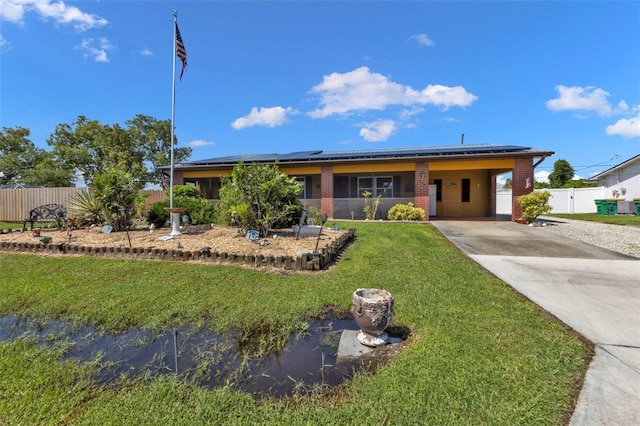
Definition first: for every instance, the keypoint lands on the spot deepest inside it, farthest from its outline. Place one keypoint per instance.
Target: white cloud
(4, 44)
(622, 107)
(406, 114)
(502, 179)
(362, 90)
(14, 11)
(588, 98)
(96, 49)
(145, 52)
(422, 39)
(625, 127)
(542, 176)
(198, 143)
(378, 131)
(268, 117)
(11, 11)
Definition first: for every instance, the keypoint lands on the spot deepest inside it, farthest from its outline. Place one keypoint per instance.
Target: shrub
(370, 205)
(119, 197)
(200, 211)
(259, 197)
(315, 214)
(157, 215)
(406, 212)
(86, 209)
(186, 191)
(534, 204)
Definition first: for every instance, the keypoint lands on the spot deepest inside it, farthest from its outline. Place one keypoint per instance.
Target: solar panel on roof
(425, 151)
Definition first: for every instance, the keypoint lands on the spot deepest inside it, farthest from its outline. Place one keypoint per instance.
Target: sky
(285, 76)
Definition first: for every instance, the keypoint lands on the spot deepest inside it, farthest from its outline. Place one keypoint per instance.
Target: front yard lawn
(478, 352)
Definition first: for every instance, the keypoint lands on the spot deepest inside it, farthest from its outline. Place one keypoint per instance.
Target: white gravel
(623, 239)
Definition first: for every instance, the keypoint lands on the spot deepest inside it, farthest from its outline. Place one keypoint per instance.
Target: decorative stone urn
(372, 309)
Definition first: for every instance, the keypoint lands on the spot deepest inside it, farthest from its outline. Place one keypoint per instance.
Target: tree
(259, 197)
(17, 154)
(92, 148)
(561, 175)
(22, 162)
(154, 137)
(47, 173)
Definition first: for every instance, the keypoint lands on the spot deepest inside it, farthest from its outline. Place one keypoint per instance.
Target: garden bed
(219, 244)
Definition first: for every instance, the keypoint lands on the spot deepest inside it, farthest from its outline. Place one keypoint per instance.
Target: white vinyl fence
(563, 200)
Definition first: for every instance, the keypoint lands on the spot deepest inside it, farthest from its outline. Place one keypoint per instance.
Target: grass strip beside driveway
(478, 354)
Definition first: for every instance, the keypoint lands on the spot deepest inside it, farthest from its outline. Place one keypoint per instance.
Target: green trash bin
(601, 206)
(636, 201)
(612, 206)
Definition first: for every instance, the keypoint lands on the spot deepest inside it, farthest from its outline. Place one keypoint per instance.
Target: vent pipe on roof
(462, 139)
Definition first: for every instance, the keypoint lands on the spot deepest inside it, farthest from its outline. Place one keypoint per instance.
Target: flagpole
(174, 212)
(173, 104)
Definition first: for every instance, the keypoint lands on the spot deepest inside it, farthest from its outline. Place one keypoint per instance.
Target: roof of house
(426, 152)
(616, 168)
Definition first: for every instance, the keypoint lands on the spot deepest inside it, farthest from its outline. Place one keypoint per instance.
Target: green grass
(10, 225)
(478, 352)
(615, 220)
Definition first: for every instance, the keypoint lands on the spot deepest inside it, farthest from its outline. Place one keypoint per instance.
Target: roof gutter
(542, 158)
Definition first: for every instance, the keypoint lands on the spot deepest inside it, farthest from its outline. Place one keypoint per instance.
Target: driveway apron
(593, 290)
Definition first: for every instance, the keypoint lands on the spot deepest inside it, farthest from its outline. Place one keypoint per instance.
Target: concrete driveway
(593, 290)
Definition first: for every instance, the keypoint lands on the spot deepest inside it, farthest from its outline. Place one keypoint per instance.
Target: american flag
(180, 51)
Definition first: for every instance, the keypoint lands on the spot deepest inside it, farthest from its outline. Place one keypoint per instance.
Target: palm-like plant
(86, 208)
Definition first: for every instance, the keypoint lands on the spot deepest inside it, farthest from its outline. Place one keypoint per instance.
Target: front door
(451, 197)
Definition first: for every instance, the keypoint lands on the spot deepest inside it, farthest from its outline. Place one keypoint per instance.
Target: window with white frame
(377, 186)
(302, 181)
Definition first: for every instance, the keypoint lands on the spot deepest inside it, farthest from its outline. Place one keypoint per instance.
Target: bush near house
(406, 212)
(534, 205)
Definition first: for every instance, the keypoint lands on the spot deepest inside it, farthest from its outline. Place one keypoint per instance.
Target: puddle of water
(210, 359)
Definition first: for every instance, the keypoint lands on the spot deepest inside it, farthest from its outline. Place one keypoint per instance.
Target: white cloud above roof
(362, 90)
(422, 39)
(15, 10)
(625, 127)
(594, 99)
(588, 98)
(378, 131)
(199, 143)
(95, 48)
(267, 117)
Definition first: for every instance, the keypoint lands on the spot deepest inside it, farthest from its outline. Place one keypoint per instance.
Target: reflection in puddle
(210, 359)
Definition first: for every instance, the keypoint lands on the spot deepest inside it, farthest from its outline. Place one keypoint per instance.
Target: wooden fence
(15, 204)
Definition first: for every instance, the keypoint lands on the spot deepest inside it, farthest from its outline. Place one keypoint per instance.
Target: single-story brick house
(447, 181)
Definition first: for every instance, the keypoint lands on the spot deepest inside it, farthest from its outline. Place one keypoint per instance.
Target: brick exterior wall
(422, 187)
(178, 178)
(493, 195)
(521, 176)
(326, 196)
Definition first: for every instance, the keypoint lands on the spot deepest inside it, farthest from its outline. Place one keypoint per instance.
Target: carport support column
(422, 187)
(494, 195)
(326, 190)
(178, 178)
(522, 181)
